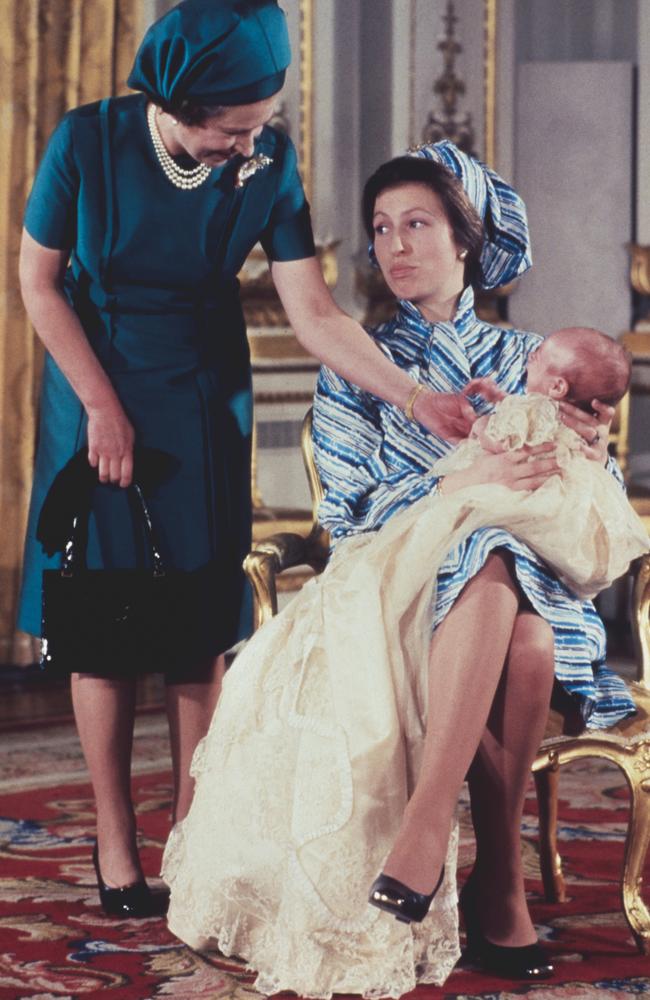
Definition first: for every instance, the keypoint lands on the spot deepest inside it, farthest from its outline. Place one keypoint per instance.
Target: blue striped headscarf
(506, 250)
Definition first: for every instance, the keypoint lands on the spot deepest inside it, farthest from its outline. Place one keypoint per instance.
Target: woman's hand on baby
(594, 430)
(524, 469)
(447, 414)
(110, 444)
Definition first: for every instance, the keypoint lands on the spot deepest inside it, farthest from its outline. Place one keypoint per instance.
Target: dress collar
(462, 321)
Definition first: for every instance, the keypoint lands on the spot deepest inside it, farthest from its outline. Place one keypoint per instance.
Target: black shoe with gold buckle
(405, 904)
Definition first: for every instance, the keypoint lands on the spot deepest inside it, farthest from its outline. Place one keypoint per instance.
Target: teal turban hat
(214, 52)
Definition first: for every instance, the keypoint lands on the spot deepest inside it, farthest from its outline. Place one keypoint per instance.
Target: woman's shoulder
(401, 338)
(488, 339)
(524, 336)
(83, 123)
(482, 328)
(85, 114)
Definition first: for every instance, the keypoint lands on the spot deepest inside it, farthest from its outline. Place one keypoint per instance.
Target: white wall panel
(574, 169)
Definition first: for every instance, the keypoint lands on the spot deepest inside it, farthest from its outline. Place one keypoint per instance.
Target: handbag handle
(75, 547)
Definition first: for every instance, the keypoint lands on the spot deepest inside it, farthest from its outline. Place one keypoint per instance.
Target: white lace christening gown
(581, 523)
(313, 751)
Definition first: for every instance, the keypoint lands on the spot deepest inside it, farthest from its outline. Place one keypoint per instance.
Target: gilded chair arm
(641, 619)
(271, 556)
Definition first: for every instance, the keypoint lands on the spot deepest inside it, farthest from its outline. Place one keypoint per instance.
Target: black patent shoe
(405, 904)
(528, 961)
(131, 901)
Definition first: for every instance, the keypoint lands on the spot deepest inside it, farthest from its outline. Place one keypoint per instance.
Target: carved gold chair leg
(261, 568)
(641, 619)
(633, 758)
(636, 849)
(550, 862)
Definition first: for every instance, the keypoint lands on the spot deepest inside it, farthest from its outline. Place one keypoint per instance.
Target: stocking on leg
(466, 659)
(104, 711)
(190, 708)
(499, 776)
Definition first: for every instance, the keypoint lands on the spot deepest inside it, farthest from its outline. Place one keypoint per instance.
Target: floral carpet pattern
(56, 944)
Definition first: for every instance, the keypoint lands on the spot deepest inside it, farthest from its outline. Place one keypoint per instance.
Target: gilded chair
(627, 745)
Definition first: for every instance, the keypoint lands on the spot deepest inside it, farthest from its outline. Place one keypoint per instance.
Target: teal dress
(152, 277)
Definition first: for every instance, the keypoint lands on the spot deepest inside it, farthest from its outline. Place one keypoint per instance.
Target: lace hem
(291, 948)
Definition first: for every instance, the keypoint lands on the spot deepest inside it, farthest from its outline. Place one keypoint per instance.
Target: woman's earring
(462, 255)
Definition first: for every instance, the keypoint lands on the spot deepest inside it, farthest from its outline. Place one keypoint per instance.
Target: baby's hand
(487, 443)
(485, 387)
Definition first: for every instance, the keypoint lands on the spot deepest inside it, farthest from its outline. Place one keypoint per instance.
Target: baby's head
(580, 364)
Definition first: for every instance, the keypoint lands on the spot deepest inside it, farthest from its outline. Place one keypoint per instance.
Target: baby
(579, 522)
(580, 364)
(576, 364)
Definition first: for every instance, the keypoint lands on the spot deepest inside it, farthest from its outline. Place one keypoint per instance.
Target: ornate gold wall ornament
(640, 280)
(449, 122)
(640, 267)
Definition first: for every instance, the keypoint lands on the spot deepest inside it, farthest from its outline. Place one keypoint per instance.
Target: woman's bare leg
(190, 708)
(466, 660)
(104, 711)
(499, 777)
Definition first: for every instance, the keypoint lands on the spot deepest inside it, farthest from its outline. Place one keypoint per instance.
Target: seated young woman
(349, 722)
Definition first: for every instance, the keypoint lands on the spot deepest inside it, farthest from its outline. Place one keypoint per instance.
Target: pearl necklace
(179, 176)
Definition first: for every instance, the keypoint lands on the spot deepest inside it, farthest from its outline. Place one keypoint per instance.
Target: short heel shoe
(405, 904)
(131, 901)
(529, 961)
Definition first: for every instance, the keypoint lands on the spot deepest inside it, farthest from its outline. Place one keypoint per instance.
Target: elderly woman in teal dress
(142, 213)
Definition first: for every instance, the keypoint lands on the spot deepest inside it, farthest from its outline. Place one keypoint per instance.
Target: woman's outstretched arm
(342, 344)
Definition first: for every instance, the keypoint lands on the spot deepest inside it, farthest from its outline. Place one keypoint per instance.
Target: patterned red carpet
(56, 943)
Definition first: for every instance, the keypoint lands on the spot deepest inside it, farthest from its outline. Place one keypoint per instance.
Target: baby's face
(544, 364)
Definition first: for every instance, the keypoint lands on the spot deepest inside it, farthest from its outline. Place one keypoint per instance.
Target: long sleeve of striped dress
(374, 462)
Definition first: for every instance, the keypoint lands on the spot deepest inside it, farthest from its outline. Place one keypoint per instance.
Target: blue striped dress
(373, 462)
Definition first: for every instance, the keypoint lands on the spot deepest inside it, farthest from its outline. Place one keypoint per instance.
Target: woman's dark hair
(465, 222)
(188, 112)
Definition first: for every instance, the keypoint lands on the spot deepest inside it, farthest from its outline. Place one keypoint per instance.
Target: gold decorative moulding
(640, 278)
(640, 268)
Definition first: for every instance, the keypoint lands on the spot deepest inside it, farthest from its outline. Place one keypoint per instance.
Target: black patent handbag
(123, 622)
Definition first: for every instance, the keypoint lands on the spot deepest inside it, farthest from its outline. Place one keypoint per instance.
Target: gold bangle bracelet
(410, 402)
(439, 489)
